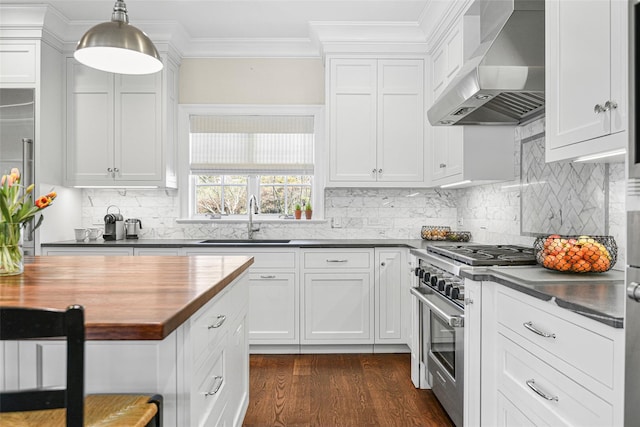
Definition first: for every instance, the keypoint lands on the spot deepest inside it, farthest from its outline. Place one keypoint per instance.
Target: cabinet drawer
(261, 260)
(337, 259)
(567, 402)
(586, 350)
(209, 326)
(210, 386)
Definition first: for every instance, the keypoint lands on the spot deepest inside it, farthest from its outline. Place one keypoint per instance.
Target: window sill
(244, 221)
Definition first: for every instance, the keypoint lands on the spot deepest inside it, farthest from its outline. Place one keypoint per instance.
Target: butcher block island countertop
(124, 298)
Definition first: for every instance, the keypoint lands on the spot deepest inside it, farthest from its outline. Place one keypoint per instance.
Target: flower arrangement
(16, 208)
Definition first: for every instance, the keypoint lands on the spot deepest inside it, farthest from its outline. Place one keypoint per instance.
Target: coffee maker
(132, 227)
(113, 225)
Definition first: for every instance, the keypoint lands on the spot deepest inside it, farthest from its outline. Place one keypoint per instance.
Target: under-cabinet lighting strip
(601, 155)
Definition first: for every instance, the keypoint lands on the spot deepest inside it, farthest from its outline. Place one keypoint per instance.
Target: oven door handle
(454, 321)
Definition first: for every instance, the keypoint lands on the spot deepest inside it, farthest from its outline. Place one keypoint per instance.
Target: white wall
(252, 81)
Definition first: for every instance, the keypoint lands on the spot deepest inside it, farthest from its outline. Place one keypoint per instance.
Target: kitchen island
(168, 325)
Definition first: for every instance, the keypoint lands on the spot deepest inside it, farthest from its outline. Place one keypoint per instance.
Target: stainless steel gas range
(438, 352)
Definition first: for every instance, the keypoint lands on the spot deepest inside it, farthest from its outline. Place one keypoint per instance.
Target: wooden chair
(67, 406)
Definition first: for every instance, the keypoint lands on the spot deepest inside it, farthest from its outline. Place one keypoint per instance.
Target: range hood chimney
(502, 81)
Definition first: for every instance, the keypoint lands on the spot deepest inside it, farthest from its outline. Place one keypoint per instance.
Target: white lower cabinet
(544, 365)
(337, 296)
(273, 315)
(391, 296)
(337, 308)
(273, 308)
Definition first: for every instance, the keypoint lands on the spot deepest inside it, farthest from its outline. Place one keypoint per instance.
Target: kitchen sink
(243, 242)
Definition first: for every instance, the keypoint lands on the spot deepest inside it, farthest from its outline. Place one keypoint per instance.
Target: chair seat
(101, 410)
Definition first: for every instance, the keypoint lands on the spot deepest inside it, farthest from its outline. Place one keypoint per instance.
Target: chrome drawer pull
(529, 326)
(221, 318)
(540, 393)
(337, 260)
(268, 277)
(217, 383)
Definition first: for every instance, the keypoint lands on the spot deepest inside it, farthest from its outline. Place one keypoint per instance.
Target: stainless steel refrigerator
(17, 130)
(632, 309)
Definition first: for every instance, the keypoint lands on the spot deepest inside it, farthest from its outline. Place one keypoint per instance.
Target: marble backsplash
(493, 213)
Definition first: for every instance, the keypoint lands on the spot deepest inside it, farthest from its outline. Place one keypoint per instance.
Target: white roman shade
(233, 145)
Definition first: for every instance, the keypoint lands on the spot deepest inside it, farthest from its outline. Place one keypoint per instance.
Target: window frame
(187, 196)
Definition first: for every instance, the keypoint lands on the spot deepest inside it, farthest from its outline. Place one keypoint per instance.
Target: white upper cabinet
(120, 128)
(18, 62)
(478, 154)
(586, 77)
(376, 124)
(447, 60)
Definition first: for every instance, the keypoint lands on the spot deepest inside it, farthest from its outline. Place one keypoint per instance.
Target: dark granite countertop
(599, 296)
(299, 243)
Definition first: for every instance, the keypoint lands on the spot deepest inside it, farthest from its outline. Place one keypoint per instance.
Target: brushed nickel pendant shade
(118, 47)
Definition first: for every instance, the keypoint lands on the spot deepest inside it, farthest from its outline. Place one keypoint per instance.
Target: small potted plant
(307, 210)
(297, 211)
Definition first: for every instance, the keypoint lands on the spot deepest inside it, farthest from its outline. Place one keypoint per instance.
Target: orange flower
(43, 202)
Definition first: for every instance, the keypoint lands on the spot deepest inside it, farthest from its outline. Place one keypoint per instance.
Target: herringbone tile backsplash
(562, 197)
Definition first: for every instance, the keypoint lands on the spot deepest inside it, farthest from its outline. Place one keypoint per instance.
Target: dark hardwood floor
(338, 390)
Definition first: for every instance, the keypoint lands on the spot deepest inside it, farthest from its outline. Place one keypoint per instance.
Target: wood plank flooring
(338, 390)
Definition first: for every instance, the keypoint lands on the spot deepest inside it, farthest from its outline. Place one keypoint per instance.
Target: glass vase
(11, 253)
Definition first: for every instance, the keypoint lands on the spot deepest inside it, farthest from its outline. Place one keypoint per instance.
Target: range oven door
(443, 350)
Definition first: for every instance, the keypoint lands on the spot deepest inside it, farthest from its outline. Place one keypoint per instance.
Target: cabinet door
(578, 72)
(18, 62)
(400, 141)
(352, 92)
(389, 287)
(89, 125)
(338, 308)
(273, 308)
(138, 139)
(439, 152)
(447, 151)
(238, 391)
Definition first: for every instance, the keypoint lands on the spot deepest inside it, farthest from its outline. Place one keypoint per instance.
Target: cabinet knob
(382, 264)
(598, 108)
(380, 171)
(373, 171)
(109, 170)
(610, 105)
(116, 170)
(443, 165)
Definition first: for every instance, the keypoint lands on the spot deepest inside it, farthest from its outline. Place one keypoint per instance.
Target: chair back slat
(33, 399)
(25, 323)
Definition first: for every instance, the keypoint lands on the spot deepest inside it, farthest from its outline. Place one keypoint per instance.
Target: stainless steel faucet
(253, 210)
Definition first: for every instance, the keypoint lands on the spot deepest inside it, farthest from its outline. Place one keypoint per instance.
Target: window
(233, 156)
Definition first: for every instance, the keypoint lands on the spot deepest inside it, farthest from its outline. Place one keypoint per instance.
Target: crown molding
(438, 17)
(368, 37)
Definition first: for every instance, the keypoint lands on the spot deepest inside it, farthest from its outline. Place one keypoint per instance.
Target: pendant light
(118, 47)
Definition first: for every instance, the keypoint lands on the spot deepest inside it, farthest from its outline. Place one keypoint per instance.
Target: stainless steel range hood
(502, 82)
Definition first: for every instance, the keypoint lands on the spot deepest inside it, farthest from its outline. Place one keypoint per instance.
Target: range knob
(417, 271)
(433, 279)
(441, 284)
(427, 277)
(447, 289)
(455, 293)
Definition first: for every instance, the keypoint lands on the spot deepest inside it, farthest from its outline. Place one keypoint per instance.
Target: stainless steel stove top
(485, 255)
